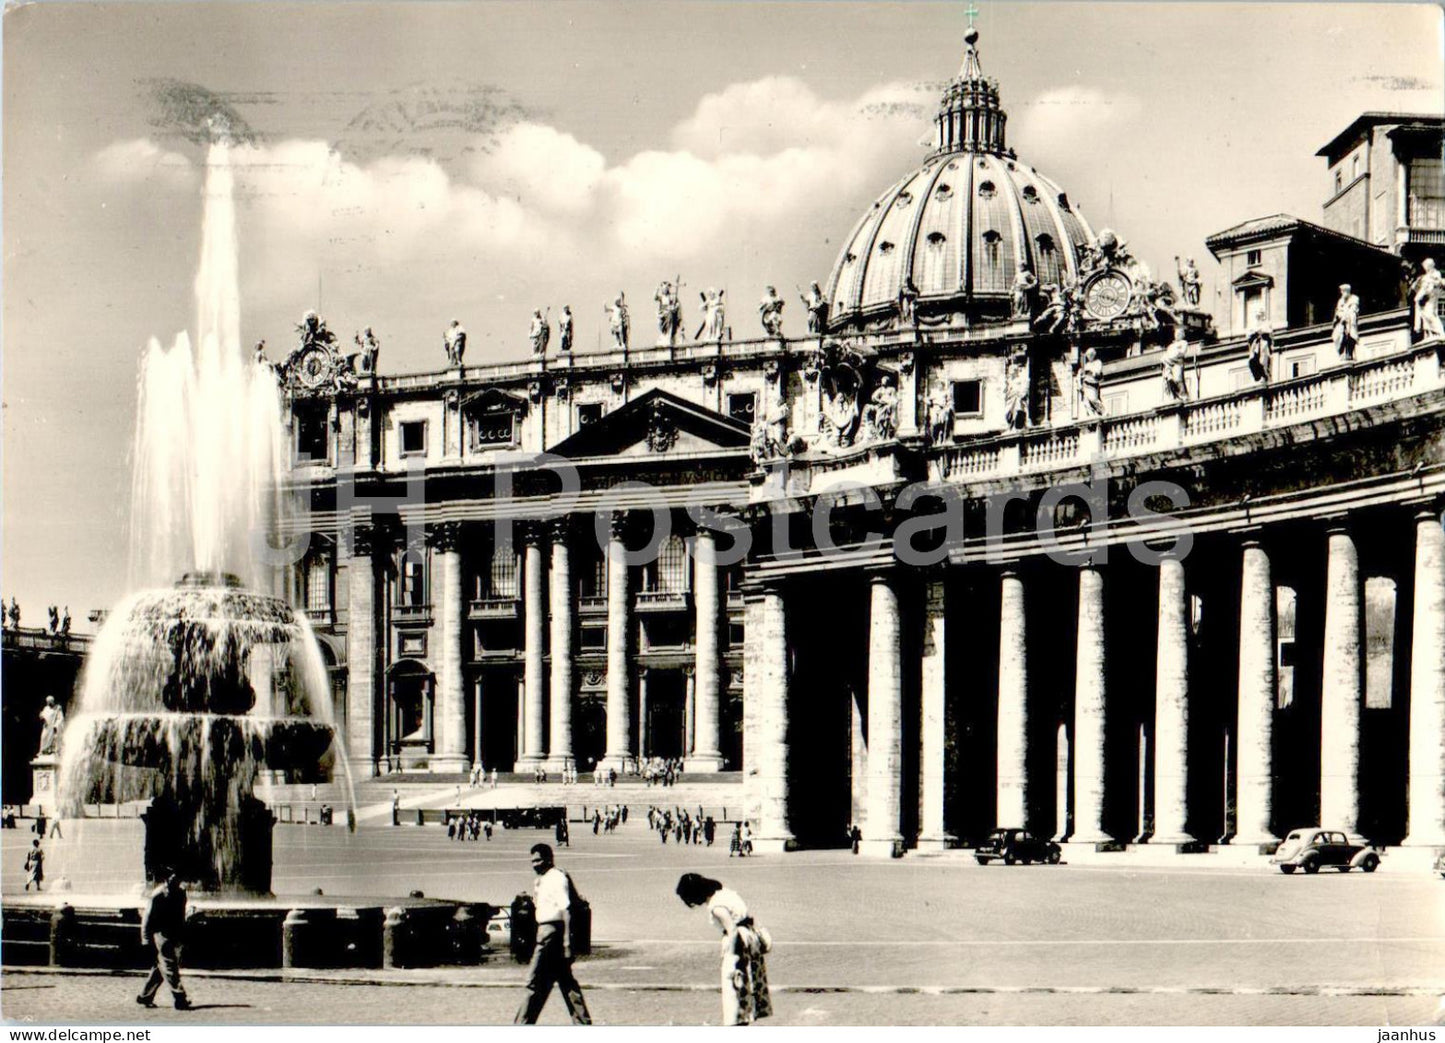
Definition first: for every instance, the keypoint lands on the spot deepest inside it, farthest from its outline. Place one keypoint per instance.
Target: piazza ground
(926, 940)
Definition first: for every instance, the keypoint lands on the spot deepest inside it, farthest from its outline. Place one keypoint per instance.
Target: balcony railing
(1181, 425)
(411, 613)
(592, 605)
(661, 601)
(492, 608)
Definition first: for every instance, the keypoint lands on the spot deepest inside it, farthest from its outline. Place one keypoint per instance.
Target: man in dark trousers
(163, 926)
(552, 958)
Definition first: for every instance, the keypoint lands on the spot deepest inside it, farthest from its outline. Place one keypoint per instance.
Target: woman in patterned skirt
(744, 973)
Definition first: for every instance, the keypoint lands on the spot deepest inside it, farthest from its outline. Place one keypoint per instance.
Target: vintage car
(1313, 848)
(1017, 845)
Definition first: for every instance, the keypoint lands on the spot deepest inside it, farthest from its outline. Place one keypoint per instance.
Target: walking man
(34, 865)
(163, 927)
(552, 958)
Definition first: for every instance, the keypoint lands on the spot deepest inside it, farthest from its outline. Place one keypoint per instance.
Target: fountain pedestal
(172, 843)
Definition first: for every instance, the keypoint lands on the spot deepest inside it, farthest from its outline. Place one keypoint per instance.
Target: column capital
(561, 530)
(533, 532)
(1421, 506)
(1252, 536)
(619, 523)
(689, 670)
(1336, 522)
(445, 536)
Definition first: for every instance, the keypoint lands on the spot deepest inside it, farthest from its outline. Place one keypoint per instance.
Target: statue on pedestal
(1346, 331)
(908, 301)
(363, 363)
(1261, 347)
(1016, 393)
(1427, 301)
(14, 614)
(769, 437)
(52, 721)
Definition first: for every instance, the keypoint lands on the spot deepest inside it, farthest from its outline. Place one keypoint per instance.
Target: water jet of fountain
(193, 692)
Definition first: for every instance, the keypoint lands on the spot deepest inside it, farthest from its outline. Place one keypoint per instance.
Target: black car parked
(1017, 845)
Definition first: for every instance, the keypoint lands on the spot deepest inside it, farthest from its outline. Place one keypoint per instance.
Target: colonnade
(548, 683)
(1342, 694)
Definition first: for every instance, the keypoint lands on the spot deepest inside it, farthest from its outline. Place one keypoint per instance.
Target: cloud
(141, 160)
(543, 167)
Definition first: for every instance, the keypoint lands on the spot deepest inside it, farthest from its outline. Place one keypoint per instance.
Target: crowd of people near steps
(468, 826)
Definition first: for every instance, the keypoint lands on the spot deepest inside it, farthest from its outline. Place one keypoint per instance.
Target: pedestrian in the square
(34, 865)
(551, 964)
(745, 996)
(855, 836)
(163, 928)
(563, 838)
(487, 828)
(745, 840)
(709, 830)
(395, 808)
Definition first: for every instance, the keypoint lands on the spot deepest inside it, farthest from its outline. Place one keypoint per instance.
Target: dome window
(991, 247)
(1046, 243)
(885, 248)
(953, 165)
(936, 239)
(849, 258)
(904, 198)
(987, 190)
(1031, 194)
(944, 191)
(1064, 200)
(983, 164)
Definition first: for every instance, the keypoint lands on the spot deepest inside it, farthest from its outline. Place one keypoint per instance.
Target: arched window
(411, 578)
(1031, 194)
(992, 247)
(937, 239)
(668, 574)
(987, 190)
(318, 586)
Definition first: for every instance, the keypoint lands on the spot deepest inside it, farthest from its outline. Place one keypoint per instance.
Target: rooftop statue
(769, 438)
(669, 313)
(770, 311)
(455, 342)
(1261, 347)
(618, 321)
(817, 306)
(881, 414)
(940, 417)
(1346, 331)
(564, 329)
(908, 301)
(539, 333)
(1189, 282)
(1091, 381)
(714, 319)
(1025, 292)
(1427, 301)
(1172, 370)
(364, 361)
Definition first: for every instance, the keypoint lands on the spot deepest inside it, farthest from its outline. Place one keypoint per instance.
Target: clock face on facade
(1107, 296)
(313, 368)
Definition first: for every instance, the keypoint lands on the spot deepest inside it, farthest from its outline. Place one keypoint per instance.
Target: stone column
(1171, 708)
(361, 658)
(1427, 687)
(705, 755)
(1013, 721)
(619, 651)
(563, 603)
(881, 832)
(477, 735)
(1089, 702)
(689, 714)
(450, 721)
(767, 691)
(534, 668)
(1342, 686)
(931, 833)
(644, 719)
(1254, 736)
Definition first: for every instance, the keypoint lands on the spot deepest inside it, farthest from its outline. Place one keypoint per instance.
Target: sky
(415, 163)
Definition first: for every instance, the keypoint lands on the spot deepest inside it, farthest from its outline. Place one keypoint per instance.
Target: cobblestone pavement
(856, 939)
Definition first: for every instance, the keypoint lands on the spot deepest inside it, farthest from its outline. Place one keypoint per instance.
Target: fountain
(200, 693)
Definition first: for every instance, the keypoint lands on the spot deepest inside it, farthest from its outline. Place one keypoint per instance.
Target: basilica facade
(1014, 535)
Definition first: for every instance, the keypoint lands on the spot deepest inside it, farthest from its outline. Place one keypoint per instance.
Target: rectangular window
(592, 639)
(1254, 257)
(413, 579)
(492, 429)
(743, 407)
(736, 633)
(413, 437)
(1426, 203)
(1116, 404)
(1302, 366)
(311, 436)
(668, 574)
(967, 398)
(589, 413)
(1240, 378)
(1252, 306)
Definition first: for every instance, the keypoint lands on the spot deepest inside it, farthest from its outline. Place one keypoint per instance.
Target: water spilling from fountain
(194, 694)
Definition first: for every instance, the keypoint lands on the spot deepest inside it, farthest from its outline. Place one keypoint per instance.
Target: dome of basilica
(951, 234)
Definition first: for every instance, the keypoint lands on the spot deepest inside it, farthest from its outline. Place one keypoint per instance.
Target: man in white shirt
(552, 958)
